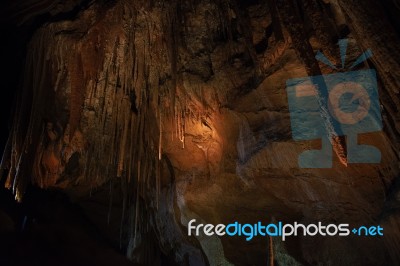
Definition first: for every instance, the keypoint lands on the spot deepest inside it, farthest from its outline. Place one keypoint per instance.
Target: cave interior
(124, 120)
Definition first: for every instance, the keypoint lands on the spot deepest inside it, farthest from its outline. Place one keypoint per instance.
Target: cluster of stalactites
(118, 79)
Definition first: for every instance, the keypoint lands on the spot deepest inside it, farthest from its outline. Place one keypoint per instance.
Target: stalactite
(161, 136)
(136, 217)
(276, 24)
(6, 158)
(280, 43)
(25, 135)
(131, 156)
(323, 29)
(181, 127)
(305, 52)
(77, 92)
(158, 170)
(110, 202)
(108, 65)
(125, 118)
(124, 189)
(244, 23)
(273, 55)
(367, 23)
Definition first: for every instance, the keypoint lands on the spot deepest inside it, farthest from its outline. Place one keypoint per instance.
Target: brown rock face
(179, 110)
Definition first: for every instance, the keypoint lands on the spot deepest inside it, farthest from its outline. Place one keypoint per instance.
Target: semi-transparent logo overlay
(340, 104)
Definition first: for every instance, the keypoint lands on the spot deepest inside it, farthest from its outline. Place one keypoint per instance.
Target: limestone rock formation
(148, 114)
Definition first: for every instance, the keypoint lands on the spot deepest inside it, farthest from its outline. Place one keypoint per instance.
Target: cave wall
(180, 109)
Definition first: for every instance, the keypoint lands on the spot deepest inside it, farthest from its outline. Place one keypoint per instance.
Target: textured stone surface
(174, 111)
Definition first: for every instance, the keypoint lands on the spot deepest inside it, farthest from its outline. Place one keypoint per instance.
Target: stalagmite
(270, 251)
